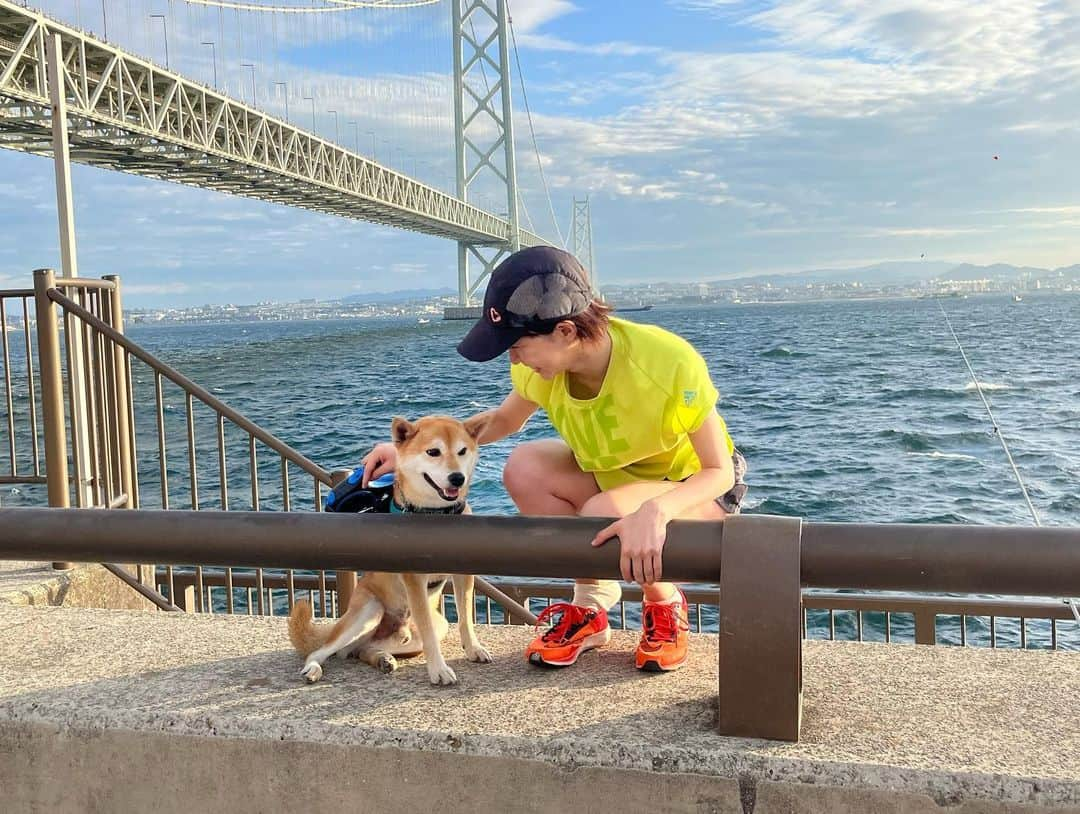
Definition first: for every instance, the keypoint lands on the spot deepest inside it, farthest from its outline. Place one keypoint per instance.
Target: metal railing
(19, 428)
(761, 563)
(104, 444)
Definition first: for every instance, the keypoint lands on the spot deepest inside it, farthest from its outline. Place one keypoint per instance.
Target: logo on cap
(494, 315)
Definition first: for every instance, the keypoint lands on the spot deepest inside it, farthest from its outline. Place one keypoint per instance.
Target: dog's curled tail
(303, 633)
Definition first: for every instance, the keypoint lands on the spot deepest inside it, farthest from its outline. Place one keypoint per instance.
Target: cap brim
(484, 341)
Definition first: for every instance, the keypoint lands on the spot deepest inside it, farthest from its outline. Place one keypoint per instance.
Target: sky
(714, 138)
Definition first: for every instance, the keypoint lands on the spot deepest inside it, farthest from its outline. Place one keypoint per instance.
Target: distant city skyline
(715, 138)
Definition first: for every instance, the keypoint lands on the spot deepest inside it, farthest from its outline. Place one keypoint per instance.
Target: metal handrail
(192, 388)
(948, 558)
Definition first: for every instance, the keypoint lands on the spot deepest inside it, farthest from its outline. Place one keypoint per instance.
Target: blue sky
(715, 138)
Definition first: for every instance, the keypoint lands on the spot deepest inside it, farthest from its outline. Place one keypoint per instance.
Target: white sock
(671, 600)
(603, 595)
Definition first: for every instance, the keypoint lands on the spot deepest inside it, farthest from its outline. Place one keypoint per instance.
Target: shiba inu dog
(388, 613)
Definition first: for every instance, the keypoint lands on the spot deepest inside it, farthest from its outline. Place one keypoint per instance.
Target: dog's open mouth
(449, 494)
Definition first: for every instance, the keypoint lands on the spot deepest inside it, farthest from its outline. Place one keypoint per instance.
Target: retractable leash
(1073, 604)
(349, 497)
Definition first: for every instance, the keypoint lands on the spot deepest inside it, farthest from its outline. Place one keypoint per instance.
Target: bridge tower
(484, 132)
(581, 239)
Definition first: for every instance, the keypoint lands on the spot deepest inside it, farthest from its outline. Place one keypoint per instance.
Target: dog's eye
(434, 453)
(463, 450)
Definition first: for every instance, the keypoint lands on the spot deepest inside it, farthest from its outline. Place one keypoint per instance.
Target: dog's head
(436, 456)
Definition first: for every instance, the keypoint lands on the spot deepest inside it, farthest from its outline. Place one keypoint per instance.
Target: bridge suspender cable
(532, 133)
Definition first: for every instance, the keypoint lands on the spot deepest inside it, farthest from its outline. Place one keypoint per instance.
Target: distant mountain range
(401, 295)
(900, 273)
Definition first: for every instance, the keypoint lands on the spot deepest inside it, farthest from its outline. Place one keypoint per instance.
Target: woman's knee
(521, 468)
(602, 504)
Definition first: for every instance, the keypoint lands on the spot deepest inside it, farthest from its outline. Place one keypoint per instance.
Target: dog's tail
(303, 633)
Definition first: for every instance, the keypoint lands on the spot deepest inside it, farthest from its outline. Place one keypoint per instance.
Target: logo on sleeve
(689, 397)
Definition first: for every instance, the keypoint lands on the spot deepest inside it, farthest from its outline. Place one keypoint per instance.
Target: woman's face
(549, 354)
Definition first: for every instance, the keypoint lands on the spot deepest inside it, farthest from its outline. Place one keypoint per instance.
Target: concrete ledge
(106, 710)
(84, 586)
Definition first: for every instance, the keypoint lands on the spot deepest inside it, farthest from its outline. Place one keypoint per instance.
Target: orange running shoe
(577, 630)
(665, 631)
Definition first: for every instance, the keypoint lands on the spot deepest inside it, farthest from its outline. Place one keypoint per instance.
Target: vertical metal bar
(229, 590)
(84, 342)
(133, 462)
(805, 613)
(832, 625)
(52, 394)
(318, 495)
(30, 388)
(253, 461)
(223, 474)
(172, 584)
(76, 443)
(322, 593)
(259, 585)
(269, 601)
(250, 604)
(192, 469)
(7, 388)
(110, 415)
(622, 614)
(1023, 633)
(286, 502)
(199, 604)
(291, 581)
(963, 629)
(888, 626)
(210, 599)
(121, 386)
(697, 613)
(1053, 634)
(162, 465)
(858, 625)
(993, 632)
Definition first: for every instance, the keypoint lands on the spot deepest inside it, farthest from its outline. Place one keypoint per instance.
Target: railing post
(925, 626)
(346, 580)
(760, 627)
(120, 382)
(52, 394)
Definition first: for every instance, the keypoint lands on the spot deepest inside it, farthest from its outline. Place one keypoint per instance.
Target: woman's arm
(504, 420)
(507, 418)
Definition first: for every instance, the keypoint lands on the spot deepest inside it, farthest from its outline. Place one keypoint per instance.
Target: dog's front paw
(478, 653)
(312, 671)
(386, 663)
(441, 674)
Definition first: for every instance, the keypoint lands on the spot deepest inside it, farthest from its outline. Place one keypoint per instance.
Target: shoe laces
(571, 619)
(662, 623)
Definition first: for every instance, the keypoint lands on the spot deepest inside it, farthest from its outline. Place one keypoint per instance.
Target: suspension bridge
(77, 95)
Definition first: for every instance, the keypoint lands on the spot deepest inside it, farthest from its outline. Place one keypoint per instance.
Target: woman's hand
(381, 459)
(641, 539)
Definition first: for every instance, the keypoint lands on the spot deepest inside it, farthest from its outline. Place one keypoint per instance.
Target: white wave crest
(952, 456)
(970, 386)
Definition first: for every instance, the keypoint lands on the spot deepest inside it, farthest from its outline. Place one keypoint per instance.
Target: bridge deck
(936, 724)
(128, 114)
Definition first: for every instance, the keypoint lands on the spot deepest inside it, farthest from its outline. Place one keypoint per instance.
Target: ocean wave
(987, 386)
(783, 352)
(923, 393)
(952, 456)
(924, 442)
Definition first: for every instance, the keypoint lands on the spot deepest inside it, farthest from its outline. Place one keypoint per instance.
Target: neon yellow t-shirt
(656, 392)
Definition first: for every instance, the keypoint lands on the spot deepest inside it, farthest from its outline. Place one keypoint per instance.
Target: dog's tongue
(451, 492)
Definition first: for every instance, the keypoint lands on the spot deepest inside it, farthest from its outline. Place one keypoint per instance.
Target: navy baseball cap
(529, 292)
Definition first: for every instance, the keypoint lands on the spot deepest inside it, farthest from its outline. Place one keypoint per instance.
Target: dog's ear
(401, 430)
(477, 424)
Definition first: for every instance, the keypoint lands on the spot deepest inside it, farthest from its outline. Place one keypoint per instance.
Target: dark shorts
(731, 501)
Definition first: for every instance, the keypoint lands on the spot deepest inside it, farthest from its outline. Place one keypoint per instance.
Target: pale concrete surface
(886, 727)
(84, 586)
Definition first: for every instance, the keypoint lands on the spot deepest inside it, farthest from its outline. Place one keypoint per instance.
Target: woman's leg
(623, 500)
(543, 478)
